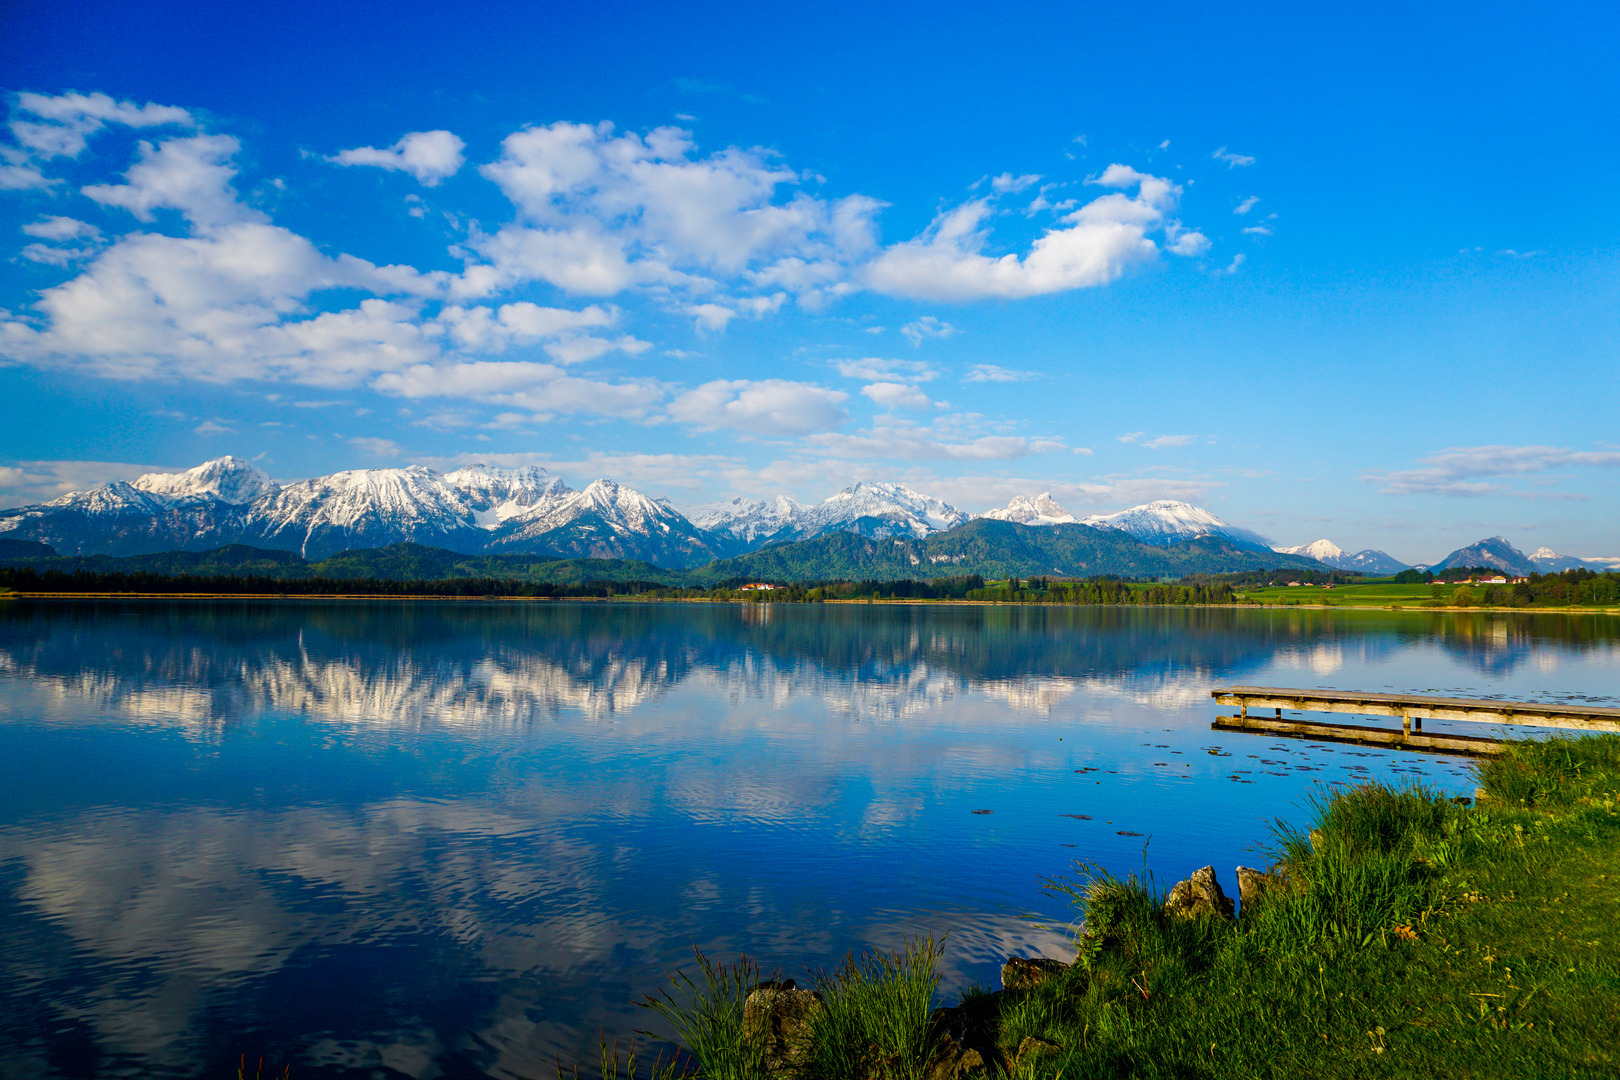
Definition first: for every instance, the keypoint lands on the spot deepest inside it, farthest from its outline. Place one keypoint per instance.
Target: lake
(463, 839)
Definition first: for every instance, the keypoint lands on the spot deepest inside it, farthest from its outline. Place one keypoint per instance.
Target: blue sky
(1342, 274)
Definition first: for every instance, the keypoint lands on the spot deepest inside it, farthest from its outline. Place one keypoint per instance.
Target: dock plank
(1422, 707)
(1395, 739)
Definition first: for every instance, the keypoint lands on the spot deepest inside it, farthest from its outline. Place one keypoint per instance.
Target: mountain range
(1328, 553)
(1497, 552)
(480, 510)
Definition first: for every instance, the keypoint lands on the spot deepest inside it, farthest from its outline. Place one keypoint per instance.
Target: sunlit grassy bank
(1406, 935)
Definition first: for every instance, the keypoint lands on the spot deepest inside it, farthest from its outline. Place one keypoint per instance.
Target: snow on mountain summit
(875, 509)
(1321, 550)
(1169, 521)
(364, 508)
(497, 495)
(608, 520)
(1326, 552)
(1039, 509)
(1548, 561)
(898, 507)
(748, 520)
(228, 479)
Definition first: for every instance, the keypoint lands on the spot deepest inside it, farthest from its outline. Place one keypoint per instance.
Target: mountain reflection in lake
(463, 838)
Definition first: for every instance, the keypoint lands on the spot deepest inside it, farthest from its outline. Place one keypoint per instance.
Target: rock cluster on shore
(963, 1038)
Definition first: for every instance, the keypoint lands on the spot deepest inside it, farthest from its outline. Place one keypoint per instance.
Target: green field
(1377, 594)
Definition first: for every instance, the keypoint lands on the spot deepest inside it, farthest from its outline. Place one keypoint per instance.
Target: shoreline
(1567, 609)
(1399, 933)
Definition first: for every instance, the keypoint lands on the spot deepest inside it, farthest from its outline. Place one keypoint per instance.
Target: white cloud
(600, 211)
(1257, 230)
(893, 395)
(1187, 242)
(891, 439)
(378, 448)
(873, 369)
(55, 256)
(1163, 441)
(485, 329)
(62, 124)
(764, 407)
(1007, 183)
(1232, 160)
(1104, 238)
(715, 317)
(1236, 263)
(992, 373)
(15, 177)
(430, 156)
(229, 301)
(27, 482)
(62, 228)
(711, 316)
(541, 389)
(213, 427)
(1466, 470)
(1246, 205)
(578, 350)
(927, 327)
(192, 175)
(1132, 436)
(220, 306)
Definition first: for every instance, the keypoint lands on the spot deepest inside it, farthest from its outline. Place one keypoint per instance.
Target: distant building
(759, 585)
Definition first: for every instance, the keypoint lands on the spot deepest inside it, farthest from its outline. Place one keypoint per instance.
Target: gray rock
(781, 1016)
(964, 1041)
(953, 1061)
(1199, 895)
(1026, 973)
(1255, 885)
(1031, 1048)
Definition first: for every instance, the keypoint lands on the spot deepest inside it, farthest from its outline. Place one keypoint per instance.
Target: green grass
(1380, 594)
(876, 1018)
(1414, 936)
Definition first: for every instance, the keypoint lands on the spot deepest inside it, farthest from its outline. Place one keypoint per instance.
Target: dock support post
(1406, 725)
(1418, 724)
(1279, 713)
(1245, 713)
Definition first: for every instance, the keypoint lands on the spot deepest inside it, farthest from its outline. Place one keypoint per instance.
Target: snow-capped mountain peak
(911, 511)
(1170, 521)
(228, 479)
(1368, 561)
(878, 509)
(1320, 550)
(620, 509)
(1494, 552)
(748, 520)
(1039, 509)
(496, 495)
(1548, 561)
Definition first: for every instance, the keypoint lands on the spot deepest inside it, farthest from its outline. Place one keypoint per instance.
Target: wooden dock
(1413, 709)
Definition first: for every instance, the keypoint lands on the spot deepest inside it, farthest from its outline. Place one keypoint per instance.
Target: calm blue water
(463, 839)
